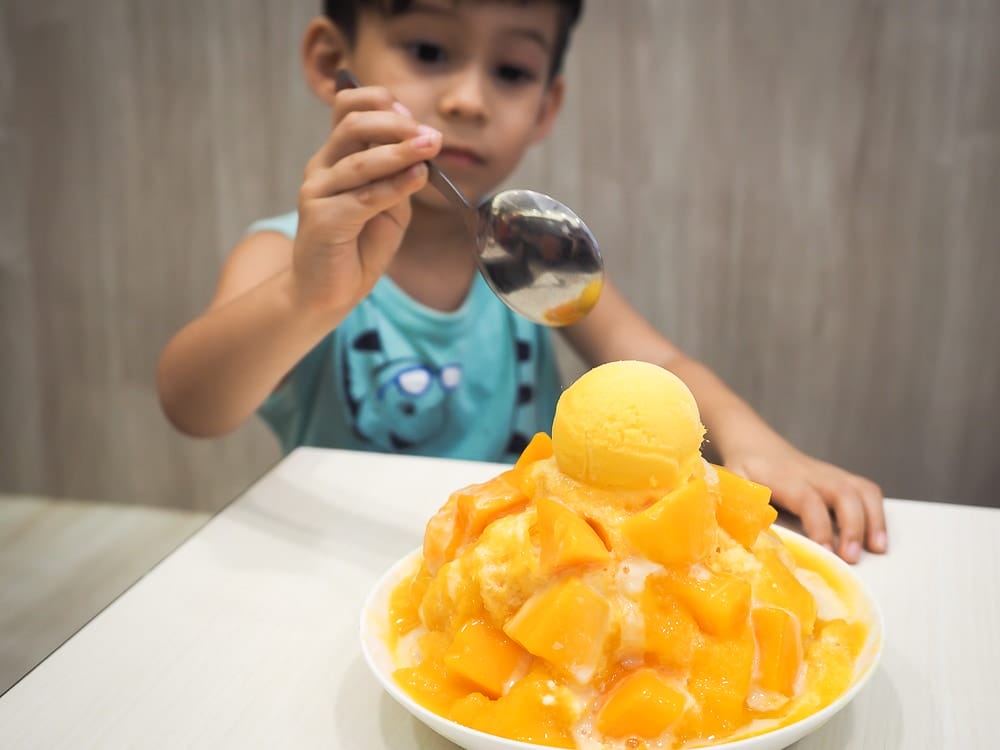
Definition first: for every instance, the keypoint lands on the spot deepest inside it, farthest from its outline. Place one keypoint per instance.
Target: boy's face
(478, 72)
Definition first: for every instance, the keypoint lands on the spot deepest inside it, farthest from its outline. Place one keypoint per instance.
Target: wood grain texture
(62, 562)
(801, 193)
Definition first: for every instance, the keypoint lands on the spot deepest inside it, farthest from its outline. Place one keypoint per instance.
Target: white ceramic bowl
(374, 624)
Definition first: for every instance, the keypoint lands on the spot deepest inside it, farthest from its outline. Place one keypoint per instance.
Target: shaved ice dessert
(615, 590)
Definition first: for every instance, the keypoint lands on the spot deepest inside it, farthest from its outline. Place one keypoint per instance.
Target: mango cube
(540, 447)
(676, 530)
(441, 538)
(533, 711)
(831, 656)
(566, 624)
(671, 630)
(719, 682)
(779, 649)
(778, 587)
(484, 656)
(720, 602)
(565, 538)
(450, 599)
(466, 513)
(429, 683)
(642, 704)
(744, 508)
(482, 504)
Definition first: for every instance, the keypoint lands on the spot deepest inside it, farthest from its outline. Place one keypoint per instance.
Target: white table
(247, 635)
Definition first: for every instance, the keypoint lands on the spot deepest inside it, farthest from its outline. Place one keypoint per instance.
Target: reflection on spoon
(536, 255)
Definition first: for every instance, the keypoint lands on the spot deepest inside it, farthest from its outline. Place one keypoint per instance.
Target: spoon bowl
(535, 254)
(539, 257)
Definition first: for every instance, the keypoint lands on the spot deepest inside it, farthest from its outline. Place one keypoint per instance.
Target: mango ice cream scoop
(628, 425)
(612, 589)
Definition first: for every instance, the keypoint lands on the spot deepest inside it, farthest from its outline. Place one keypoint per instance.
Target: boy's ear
(551, 105)
(325, 49)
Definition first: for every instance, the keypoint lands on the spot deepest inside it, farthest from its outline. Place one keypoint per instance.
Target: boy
(358, 321)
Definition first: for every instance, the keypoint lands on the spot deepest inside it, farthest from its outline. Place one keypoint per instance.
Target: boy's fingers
(361, 130)
(373, 198)
(363, 167)
(356, 110)
(361, 99)
(850, 512)
(815, 516)
(872, 498)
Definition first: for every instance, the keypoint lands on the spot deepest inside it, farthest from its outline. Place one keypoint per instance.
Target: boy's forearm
(730, 421)
(219, 368)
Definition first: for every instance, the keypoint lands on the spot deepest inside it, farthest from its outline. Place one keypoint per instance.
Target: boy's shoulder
(285, 224)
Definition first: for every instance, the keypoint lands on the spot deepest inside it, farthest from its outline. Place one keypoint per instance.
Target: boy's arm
(219, 368)
(803, 485)
(277, 298)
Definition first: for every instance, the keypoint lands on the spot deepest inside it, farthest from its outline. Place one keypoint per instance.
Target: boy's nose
(465, 95)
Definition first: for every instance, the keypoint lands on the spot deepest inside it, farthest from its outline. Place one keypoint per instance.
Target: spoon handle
(346, 80)
(445, 186)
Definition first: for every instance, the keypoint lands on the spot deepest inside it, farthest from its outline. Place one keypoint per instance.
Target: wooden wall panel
(801, 193)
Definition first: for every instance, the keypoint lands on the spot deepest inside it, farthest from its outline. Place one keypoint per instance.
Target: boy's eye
(515, 74)
(426, 52)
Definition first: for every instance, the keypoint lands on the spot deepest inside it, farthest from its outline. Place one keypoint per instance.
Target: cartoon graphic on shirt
(525, 395)
(402, 403)
(396, 404)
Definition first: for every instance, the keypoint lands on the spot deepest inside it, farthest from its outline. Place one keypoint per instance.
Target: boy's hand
(354, 202)
(812, 489)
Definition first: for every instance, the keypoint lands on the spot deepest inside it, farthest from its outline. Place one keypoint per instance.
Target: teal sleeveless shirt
(397, 376)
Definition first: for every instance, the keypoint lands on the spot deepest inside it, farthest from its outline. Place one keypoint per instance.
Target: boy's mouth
(460, 156)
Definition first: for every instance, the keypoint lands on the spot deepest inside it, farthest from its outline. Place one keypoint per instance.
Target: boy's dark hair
(344, 13)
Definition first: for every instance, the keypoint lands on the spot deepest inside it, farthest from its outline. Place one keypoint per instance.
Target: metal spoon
(536, 255)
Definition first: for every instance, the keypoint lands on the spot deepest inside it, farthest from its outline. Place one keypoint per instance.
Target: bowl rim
(373, 626)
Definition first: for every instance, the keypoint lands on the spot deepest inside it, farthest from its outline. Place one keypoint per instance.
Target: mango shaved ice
(615, 590)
